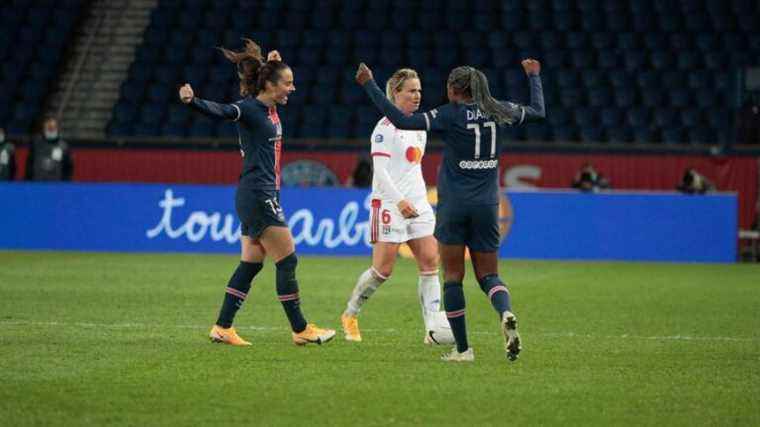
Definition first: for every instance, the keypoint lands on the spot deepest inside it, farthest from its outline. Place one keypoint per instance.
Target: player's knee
(453, 276)
(429, 263)
(288, 263)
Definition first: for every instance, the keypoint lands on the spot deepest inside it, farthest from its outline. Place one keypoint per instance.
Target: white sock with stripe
(366, 285)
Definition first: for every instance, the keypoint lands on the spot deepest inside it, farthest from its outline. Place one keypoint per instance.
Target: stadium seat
(652, 98)
(638, 117)
(691, 117)
(628, 41)
(620, 135)
(644, 136)
(665, 117)
(625, 97)
(680, 98)
(673, 136)
(565, 133)
(538, 132)
(702, 135)
(586, 117)
(611, 117)
(593, 134)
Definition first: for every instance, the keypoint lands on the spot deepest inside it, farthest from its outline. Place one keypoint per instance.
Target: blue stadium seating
(619, 71)
(32, 43)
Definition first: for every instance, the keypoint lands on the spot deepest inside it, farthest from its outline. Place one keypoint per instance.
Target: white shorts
(388, 225)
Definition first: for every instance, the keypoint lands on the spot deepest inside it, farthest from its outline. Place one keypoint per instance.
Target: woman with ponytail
(263, 86)
(468, 190)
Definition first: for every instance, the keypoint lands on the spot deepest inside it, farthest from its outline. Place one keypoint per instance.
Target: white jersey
(404, 149)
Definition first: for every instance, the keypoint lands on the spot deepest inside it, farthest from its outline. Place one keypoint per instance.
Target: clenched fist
(274, 56)
(363, 74)
(407, 209)
(186, 93)
(531, 67)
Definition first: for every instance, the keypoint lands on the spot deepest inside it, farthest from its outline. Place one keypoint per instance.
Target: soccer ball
(438, 329)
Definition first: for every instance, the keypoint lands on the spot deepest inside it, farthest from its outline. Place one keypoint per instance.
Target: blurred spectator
(362, 175)
(7, 158)
(748, 123)
(694, 183)
(49, 156)
(589, 180)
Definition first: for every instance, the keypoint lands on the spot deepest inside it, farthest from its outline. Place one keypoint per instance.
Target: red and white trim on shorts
(374, 226)
(496, 289)
(429, 273)
(288, 297)
(453, 314)
(236, 293)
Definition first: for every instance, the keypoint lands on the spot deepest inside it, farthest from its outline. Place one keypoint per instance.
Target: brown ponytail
(252, 71)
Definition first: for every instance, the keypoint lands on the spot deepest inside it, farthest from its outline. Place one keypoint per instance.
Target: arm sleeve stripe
(427, 121)
(238, 111)
(522, 116)
(380, 153)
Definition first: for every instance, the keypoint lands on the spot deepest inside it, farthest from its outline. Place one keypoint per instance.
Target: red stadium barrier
(630, 172)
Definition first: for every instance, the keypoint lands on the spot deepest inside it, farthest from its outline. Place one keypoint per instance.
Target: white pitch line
(390, 331)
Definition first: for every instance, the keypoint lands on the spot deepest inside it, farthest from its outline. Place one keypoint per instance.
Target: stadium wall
(518, 170)
(334, 221)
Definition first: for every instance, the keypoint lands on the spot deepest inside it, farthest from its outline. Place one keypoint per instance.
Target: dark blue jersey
(259, 135)
(470, 170)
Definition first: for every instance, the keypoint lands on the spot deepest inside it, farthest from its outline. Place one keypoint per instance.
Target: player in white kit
(400, 213)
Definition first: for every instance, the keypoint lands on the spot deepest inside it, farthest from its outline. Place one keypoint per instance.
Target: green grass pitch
(120, 339)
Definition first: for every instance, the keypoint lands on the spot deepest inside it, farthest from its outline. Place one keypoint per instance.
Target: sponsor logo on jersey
(414, 155)
(386, 229)
(479, 164)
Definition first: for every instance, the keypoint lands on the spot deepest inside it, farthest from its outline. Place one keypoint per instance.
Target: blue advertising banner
(335, 221)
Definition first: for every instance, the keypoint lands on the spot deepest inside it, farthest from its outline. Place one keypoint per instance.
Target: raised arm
(209, 108)
(401, 121)
(536, 109)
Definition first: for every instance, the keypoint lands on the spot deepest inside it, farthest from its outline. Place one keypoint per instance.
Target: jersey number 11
(476, 128)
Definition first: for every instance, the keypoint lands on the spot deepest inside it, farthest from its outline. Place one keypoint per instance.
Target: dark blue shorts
(475, 226)
(258, 210)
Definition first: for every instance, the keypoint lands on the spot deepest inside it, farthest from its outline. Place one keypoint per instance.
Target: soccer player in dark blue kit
(468, 188)
(263, 85)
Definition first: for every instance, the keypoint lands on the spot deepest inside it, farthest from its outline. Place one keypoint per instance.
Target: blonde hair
(397, 80)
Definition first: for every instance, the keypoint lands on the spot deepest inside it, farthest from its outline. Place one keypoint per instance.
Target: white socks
(366, 285)
(429, 292)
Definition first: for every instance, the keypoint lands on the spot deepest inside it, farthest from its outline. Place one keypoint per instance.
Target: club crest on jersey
(379, 138)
